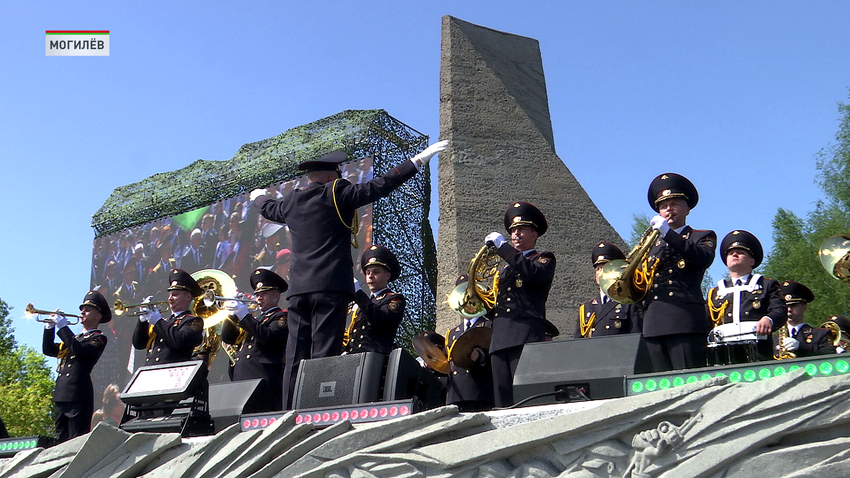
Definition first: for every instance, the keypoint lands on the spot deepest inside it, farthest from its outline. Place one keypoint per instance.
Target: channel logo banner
(77, 42)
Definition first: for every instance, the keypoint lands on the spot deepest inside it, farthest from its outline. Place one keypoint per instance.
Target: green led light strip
(639, 384)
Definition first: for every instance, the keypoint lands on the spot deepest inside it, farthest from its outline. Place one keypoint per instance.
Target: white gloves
(494, 238)
(422, 158)
(59, 320)
(660, 223)
(51, 321)
(790, 344)
(237, 308)
(150, 316)
(256, 193)
(839, 350)
(356, 285)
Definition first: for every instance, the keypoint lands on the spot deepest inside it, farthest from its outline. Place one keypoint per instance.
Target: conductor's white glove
(256, 193)
(660, 223)
(421, 159)
(356, 285)
(237, 308)
(60, 320)
(790, 344)
(495, 238)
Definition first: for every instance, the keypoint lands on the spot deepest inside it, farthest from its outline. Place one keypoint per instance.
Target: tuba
(222, 286)
(836, 336)
(835, 257)
(627, 281)
(477, 296)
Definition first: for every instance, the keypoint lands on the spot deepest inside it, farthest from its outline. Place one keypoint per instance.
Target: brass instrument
(627, 281)
(120, 307)
(220, 286)
(783, 354)
(30, 310)
(836, 335)
(835, 257)
(210, 299)
(476, 301)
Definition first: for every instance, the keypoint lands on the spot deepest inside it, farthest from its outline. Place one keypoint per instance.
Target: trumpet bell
(835, 257)
(459, 302)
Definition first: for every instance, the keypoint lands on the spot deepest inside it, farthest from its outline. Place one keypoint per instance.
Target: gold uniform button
(670, 282)
(508, 299)
(508, 310)
(157, 359)
(248, 356)
(670, 293)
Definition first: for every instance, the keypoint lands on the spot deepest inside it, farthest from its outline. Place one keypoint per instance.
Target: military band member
(321, 221)
(675, 322)
(519, 316)
(803, 339)
(375, 321)
(73, 395)
(747, 297)
(602, 315)
(172, 339)
(261, 341)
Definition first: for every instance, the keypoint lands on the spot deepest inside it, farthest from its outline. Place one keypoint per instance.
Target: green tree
(26, 384)
(797, 240)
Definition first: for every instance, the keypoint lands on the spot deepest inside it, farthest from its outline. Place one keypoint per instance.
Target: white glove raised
(495, 238)
(356, 285)
(237, 308)
(422, 158)
(153, 316)
(660, 223)
(51, 321)
(790, 344)
(256, 193)
(60, 320)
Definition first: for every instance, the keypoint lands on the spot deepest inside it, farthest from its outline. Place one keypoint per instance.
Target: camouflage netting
(400, 221)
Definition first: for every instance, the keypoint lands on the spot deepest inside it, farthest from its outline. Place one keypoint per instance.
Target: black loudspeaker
(228, 400)
(593, 368)
(405, 378)
(339, 380)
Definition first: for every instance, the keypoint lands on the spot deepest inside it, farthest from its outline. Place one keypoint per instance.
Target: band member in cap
(602, 315)
(374, 322)
(261, 341)
(519, 316)
(747, 297)
(172, 339)
(675, 323)
(803, 340)
(73, 395)
(470, 389)
(321, 221)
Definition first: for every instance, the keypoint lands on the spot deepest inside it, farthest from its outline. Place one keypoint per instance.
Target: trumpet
(120, 307)
(30, 310)
(211, 299)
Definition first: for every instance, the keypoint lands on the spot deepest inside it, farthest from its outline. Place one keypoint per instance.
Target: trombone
(120, 307)
(30, 310)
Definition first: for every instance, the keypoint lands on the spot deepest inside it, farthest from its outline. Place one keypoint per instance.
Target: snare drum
(730, 344)
(744, 351)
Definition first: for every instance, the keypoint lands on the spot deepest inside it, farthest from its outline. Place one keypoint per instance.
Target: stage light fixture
(823, 366)
(326, 416)
(10, 446)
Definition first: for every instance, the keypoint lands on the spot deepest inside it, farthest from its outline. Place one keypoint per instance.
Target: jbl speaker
(405, 378)
(339, 380)
(228, 400)
(594, 367)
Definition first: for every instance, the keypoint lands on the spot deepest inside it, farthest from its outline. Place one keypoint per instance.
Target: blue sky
(738, 96)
